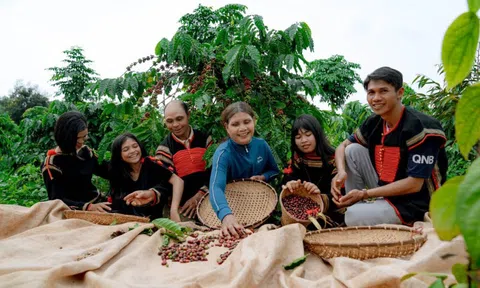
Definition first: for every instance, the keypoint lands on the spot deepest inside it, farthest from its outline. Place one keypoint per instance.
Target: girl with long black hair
(140, 185)
(313, 161)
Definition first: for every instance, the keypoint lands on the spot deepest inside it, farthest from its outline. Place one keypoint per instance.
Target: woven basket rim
(290, 215)
(234, 181)
(133, 218)
(421, 237)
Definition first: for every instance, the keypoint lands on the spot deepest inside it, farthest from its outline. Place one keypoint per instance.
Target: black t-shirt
(413, 148)
(152, 176)
(68, 177)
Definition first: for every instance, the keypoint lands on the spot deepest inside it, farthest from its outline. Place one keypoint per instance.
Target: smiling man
(393, 162)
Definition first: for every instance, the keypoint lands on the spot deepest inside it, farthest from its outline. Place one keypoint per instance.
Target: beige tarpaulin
(39, 249)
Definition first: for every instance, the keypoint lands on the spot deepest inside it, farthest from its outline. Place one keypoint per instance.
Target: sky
(405, 35)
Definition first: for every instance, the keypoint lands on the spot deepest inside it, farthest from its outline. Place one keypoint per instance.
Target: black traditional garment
(415, 148)
(68, 177)
(311, 168)
(186, 158)
(153, 176)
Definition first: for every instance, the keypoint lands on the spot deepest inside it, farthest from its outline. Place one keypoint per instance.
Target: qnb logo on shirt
(422, 159)
(259, 159)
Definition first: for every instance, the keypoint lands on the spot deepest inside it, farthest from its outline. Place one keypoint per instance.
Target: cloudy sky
(404, 34)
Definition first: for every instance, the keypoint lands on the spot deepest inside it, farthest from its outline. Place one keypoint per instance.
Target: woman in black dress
(140, 185)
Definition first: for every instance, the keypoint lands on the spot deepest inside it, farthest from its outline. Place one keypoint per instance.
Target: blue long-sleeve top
(233, 161)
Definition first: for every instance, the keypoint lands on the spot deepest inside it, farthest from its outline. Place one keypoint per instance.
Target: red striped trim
(396, 212)
(425, 138)
(165, 154)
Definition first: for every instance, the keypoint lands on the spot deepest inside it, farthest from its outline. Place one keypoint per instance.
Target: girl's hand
(230, 227)
(258, 177)
(140, 197)
(311, 188)
(292, 185)
(99, 207)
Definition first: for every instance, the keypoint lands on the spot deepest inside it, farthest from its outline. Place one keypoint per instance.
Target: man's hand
(337, 184)
(351, 198)
(140, 197)
(189, 209)
(292, 185)
(311, 188)
(100, 207)
(230, 227)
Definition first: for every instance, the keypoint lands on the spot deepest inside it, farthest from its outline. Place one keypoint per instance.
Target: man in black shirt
(395, 159)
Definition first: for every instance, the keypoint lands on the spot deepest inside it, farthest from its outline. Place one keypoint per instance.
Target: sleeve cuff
(157, 197)
(223, 212)
(85, 207)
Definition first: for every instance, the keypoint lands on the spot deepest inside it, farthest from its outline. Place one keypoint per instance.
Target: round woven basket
(103, 218)
(364, 242)
(251, 201)
(288, 218)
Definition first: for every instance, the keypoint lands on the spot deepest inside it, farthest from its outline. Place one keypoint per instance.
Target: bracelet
(365, 194)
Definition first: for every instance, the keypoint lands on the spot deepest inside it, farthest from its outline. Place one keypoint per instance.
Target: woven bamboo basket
(288, 218)
(102, 218)
(251, 201)
(364, 242)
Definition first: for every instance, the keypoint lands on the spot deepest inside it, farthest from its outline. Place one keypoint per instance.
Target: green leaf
(459, 46)
(169, 225)
(289, 60)
(186, 42)
(166, 240)
(437, 284)
(291, 31)
(248, 70)
(162, 47)
(258, 20)
(468, 211)
(473, 5)
(114, 222)
(103, 86)
(222, 37)
(232, 54)
(443, 212)
(199, 103)
(133, 83)
(410, 275)
(460, 272)
(254, 54)
(295, 263)
(226, 72)
(467, 119)
(119, 87)
(280, 105)
(112, 88)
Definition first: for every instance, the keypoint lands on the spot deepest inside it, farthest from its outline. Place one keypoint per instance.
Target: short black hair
(119, 169)
(66, 129)
(387, 74)
(183, 104)
(323, 148)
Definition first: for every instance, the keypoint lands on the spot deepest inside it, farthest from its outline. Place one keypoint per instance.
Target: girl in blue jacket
(241, 156)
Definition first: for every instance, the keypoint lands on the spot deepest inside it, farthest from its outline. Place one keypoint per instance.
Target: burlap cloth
(39, 249)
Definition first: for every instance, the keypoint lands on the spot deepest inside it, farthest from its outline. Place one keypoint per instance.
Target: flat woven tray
(103, 218)
(288, 218)
(251, 201)
(364, 242)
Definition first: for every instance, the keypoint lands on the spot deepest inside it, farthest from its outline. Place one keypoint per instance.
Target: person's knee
(352, 217)
(354, 149)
